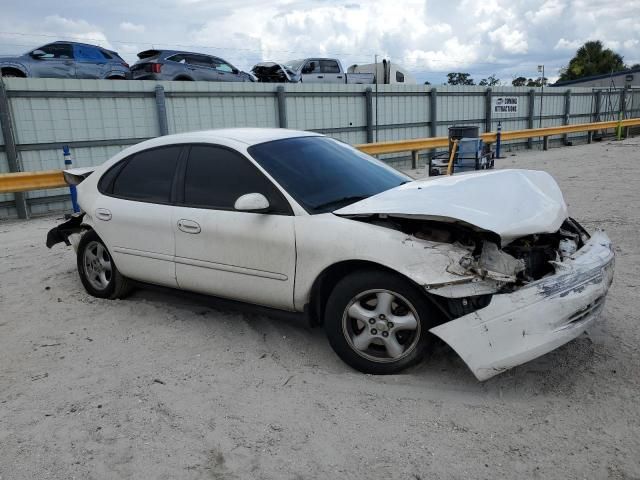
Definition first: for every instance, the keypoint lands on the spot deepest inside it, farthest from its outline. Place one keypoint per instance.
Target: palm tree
(592, 59)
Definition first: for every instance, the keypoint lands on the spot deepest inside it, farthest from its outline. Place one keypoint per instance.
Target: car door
(226, 72)
(330, 70)
(228, 253)
(57, 61)
(133, 214)
(90, 62)
(202, 68)
(311, 72)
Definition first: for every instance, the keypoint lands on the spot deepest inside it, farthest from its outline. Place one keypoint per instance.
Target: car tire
(98, 272)
(378, 322)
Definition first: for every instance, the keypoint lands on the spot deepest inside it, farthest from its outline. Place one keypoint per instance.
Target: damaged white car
(489, 262)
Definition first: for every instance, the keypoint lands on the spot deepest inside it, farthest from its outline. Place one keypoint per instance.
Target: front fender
(326, 239)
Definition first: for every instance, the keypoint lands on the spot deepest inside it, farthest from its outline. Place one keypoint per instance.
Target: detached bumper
(517, 327)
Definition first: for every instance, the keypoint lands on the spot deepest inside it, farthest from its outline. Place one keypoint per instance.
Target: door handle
(320, 76)
(103, 214)
(339, 76)
(188, 226)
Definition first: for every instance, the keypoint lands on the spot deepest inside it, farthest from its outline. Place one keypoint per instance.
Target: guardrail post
(161, 108)
(368, 107)
(623, 109)
(545, 143)
(282, 107)
(433, 120)
(68, 163)
(567, 114)
(487, 111)
(532, 107)
(596, 113)
(10, 148)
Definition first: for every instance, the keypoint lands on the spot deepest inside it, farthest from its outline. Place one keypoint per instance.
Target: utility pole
(541, 69)
(376, 61)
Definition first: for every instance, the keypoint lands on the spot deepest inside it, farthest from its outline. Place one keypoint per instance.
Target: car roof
(247, 136)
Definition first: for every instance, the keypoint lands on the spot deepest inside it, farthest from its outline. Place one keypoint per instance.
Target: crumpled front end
(522, 322)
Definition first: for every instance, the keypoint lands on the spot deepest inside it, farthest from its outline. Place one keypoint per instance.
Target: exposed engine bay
(518, 263)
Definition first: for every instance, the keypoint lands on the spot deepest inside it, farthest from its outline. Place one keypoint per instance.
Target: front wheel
(377, 322)
(98, 272)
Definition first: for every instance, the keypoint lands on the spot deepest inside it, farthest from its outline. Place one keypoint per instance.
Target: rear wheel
(11, 74)
(98, 272)
(378, 322)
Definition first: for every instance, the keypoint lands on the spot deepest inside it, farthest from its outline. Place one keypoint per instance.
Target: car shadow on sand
(555, 372)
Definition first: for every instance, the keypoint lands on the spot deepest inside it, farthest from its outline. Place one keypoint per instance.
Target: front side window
(216, 177)
(323, 174)
(312, 66)
(148, 175)
(57, 50)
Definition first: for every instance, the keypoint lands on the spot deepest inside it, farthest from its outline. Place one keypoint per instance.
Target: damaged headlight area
(488, 268)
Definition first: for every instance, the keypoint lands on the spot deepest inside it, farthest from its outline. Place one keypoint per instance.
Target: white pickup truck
(309, 70)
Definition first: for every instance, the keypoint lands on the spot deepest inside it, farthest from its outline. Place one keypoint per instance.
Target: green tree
(538, 82)
(592, 59)
(519, 82)
(427, 82)
(490, 81)
(459, 78)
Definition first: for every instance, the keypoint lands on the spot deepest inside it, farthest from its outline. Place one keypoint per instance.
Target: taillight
(125, 64)
(156, 67)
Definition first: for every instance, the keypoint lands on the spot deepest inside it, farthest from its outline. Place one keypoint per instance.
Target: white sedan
(490, 262)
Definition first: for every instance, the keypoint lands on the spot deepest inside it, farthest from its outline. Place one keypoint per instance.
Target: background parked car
(66, 60)
(309, 70)
(175, 65)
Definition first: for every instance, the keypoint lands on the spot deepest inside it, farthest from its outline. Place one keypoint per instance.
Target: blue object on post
(498, 139)
(72, 188)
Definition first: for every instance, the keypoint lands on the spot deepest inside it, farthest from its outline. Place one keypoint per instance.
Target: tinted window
(148, 175)
(83, 52)
(179, 57)
(329, 66)
(323, 174)
(311, 67)
(57, 50)
(199, 60)
(216, 177)
(399, 77)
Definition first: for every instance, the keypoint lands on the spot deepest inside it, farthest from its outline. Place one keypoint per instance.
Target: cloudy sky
(430, 38)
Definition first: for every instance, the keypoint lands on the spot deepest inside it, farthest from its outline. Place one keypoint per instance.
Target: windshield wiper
(346, 200)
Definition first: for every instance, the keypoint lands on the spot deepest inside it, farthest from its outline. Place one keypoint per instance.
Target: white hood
(511, 203)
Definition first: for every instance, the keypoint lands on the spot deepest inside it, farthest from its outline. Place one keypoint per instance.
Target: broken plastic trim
(62, 232)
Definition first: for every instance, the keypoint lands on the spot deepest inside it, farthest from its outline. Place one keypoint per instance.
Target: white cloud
(429, 37)
(511, 41)
(564, 44)
(132, 27)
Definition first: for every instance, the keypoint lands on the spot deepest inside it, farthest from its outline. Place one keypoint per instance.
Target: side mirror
(235, 71)
(38, 54)
(252, 202)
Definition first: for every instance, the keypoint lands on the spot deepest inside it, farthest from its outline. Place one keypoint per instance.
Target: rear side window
(216, 177)
(86, 53)
(399, 77)
(147, 176)
(329, 66)
(199, 60)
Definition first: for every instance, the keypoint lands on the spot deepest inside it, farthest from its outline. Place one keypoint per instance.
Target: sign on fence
(504, 105)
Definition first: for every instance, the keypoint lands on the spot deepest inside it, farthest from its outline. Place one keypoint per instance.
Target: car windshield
(293, 64)
(323, 174)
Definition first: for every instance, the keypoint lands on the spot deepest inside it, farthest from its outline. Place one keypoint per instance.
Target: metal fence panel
(98, 118)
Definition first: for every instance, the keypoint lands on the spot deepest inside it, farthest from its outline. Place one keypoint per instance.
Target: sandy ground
(166, 385)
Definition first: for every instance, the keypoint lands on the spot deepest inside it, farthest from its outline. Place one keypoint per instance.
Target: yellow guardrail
(24, 181)
(414, 145)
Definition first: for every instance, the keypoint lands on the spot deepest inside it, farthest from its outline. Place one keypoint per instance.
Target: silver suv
(175, 65)
(66, 60)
